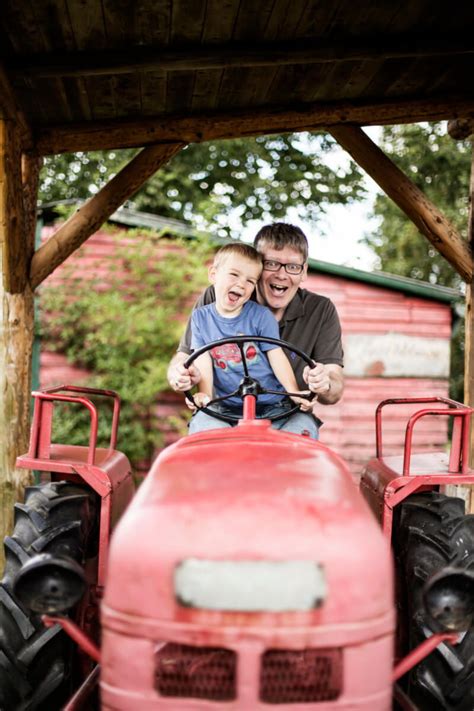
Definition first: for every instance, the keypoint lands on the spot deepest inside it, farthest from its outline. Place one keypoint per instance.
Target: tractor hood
(247, 516)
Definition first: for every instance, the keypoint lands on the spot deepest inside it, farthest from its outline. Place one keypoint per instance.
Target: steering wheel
(248, 385)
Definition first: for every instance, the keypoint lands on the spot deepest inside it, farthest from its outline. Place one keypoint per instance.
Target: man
(307, 320)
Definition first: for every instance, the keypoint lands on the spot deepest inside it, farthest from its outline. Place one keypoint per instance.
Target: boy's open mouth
(233, 296)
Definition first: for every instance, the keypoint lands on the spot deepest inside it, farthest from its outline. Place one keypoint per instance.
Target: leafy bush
(125, 332)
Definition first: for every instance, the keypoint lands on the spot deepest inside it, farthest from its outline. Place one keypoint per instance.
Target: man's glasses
(290, 268)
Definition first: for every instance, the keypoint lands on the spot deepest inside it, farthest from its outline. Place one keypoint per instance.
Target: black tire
(433, 532)
(35, 662)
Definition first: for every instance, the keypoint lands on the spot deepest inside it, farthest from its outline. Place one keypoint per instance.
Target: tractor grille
(197, 672)
(300, 676)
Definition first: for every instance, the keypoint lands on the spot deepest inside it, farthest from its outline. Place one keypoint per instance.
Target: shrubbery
(126, 333)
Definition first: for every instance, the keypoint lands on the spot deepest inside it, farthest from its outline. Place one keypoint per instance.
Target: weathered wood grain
(14, 253)
(427, 218)
(243, 54)
(212, 126)
(16, 314)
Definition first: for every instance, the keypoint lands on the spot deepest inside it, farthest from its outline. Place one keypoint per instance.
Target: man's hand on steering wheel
(249, 385)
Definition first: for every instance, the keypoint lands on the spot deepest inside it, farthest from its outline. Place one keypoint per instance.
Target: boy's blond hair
(240, 249)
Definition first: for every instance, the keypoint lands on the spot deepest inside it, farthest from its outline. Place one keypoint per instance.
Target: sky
(337, 234)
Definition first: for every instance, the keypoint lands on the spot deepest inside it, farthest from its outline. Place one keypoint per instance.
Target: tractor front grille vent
(198, 672)
(300, 676)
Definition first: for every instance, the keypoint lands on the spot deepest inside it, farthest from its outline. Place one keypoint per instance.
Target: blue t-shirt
(254, 320)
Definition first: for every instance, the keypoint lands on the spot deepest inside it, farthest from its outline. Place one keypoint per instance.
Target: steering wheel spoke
(249, 387)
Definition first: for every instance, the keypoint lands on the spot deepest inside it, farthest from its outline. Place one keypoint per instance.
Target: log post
(17, 314)
(98, 209)
(469, 326)
(409, 198)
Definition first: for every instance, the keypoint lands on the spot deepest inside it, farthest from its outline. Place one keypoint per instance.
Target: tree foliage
(440, 167)
(126, 333)
(260, 178)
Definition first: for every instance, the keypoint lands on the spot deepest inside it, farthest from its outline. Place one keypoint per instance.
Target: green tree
(259, 177)
(440, 167)
(125, 334)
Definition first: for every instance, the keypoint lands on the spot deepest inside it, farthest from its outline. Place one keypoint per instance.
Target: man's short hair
(242, 250)
(280, 235)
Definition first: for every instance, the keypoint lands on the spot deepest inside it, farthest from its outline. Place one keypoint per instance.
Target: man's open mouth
(277, 289)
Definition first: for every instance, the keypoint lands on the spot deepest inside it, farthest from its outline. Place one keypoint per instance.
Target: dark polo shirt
(310, 323)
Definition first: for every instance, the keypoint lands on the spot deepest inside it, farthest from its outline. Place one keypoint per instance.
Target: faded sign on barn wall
(395, 355)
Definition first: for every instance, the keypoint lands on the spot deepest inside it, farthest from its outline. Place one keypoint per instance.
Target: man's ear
(211, 272)
(304, 273)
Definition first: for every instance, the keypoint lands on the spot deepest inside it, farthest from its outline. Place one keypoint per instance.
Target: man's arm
(327, 381)
(179, 378)
(284, 373)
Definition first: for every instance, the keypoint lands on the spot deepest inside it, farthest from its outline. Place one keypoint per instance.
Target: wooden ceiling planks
(228, 56)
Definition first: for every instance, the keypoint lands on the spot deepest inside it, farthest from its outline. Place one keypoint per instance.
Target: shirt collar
(295, 308)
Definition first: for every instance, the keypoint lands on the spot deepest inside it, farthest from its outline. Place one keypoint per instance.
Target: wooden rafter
(426, 216)
(461, 128)
(206, 127)
(78, 64)
(97, 210)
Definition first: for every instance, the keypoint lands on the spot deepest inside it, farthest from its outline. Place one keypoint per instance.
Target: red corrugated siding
(349, 425)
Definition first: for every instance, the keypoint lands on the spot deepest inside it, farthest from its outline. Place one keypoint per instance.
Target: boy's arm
(282, 369)
(204, 364)
(284, 372)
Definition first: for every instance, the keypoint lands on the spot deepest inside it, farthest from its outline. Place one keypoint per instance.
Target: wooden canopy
(80, 75)
(93, 74)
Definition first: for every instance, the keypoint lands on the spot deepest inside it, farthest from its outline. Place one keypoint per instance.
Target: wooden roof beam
(461, 128)
(90, 63)
(87, 219)
(409, 198)
(129, 133)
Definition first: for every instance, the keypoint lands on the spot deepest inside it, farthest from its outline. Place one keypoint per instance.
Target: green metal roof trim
(389, 281)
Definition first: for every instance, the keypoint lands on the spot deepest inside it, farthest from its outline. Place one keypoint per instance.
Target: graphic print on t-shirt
(229, 355)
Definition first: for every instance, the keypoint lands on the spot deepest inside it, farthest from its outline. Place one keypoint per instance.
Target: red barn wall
(365, 311)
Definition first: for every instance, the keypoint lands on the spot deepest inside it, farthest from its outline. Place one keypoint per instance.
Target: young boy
(234, 274)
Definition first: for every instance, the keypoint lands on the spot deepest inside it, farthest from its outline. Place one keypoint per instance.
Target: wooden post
(469, 326)
(414, 203)
(17, 314)
(98, 209)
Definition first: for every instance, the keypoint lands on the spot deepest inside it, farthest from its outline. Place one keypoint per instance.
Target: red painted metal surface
(249, 407)
(75, 633)
(105, 470)
(422, 651)
(387, 481)
(247, 493)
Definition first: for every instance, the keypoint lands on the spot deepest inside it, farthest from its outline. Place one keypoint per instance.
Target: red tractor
(247, 572)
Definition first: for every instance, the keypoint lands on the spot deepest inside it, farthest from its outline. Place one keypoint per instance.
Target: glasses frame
(281, 264)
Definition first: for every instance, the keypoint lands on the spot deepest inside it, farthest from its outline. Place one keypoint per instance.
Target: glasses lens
(294, 268)
(271, 266)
